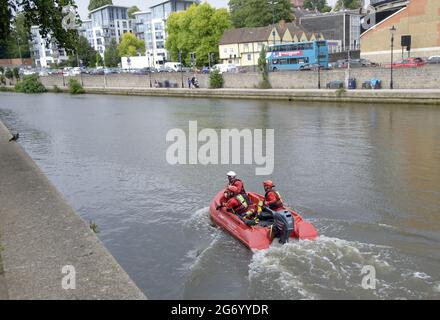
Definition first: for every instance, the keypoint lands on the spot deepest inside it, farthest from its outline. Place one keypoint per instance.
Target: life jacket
(242, 206)
(278, 203)
(242, 191)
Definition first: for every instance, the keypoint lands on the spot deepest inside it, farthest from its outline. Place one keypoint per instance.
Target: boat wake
(331, 268)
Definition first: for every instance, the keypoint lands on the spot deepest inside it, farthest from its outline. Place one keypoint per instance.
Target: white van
(174, 66)
(222, 67)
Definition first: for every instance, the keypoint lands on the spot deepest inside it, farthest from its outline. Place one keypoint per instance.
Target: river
(367, 176)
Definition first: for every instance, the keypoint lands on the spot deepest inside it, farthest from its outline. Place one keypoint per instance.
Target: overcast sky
(145, 4)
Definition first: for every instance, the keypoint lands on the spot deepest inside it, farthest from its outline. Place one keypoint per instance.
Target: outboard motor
(283, 223)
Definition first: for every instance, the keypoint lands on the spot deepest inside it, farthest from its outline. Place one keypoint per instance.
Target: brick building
(419, 19)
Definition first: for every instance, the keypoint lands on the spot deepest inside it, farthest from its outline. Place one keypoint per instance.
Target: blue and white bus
(297, 55)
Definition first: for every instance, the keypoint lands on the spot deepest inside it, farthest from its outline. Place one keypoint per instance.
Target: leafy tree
(2, 70)
(262, 68)
(198, 29)
(348, 4)
(98, 60)
(85, 53)
(320, 5)
(93, 4)
(132, 10)
(17, 43)
(47, 14)
(130, 45)
(111, 55)
(259, 13)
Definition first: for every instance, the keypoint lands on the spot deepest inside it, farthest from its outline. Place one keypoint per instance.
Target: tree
(198, 30)
(98, 60)
(259, 13)
(130, 45)
(17, 44)
(320, 5)
(262, 68)
(132, 10)
(111, 55)
(348, 4)
(93, 4)
(85, 53)
(47, 14)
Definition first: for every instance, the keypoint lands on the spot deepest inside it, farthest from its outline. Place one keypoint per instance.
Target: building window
(231, 50)
(246, 47)
(249, 57)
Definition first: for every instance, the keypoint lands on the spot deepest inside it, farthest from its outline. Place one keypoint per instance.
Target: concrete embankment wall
(40, 234)
(427, 77)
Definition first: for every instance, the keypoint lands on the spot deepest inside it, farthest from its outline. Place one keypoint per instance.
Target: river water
(367, 176)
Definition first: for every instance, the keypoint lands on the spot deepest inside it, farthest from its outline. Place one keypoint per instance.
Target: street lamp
(273, 19)
(392, 31)
(181, 71)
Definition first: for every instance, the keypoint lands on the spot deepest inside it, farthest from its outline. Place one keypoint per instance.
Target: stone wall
(427, 77)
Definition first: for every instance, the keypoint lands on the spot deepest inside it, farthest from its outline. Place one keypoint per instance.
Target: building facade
(419, 19)
(108, 22)
(242, 46)
(44, 51)
(341, 29)
(150, 27)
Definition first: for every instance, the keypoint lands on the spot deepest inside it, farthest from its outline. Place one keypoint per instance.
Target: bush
(215, 79)
(16, 73)
(75, 87)
(56, 89)
(30, 84)
(9, 74)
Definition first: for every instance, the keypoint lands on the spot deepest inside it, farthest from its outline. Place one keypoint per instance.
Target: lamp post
(181, 71)
(273, 19)
(392, 31)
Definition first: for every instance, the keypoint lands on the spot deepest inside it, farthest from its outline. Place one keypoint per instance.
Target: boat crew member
(238, 204)
(272, 198)
(234, 181)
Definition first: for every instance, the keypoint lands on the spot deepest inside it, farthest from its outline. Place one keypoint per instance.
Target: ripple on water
(332, 268)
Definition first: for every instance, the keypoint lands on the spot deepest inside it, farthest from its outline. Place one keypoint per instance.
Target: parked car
(367, 63)
(97, 71)
(433, 60)
(408, 63)
(205, 70)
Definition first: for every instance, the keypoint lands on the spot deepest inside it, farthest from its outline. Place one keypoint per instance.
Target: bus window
(308, 46)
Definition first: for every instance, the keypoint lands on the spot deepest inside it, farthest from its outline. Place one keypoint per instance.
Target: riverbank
(41, 234)
(396, 96)
(422, 96)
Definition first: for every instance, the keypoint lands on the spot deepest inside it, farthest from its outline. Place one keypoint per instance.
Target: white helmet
(231, 174)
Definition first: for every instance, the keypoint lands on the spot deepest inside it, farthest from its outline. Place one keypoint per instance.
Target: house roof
(260, 34)
(241, 35)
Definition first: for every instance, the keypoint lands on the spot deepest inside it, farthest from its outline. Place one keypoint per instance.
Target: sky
(145, 4)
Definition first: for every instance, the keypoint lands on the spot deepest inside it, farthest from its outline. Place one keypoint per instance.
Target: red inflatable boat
(283, 224)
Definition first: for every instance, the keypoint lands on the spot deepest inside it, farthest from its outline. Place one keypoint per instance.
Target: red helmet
(232, 189)
(268, 184)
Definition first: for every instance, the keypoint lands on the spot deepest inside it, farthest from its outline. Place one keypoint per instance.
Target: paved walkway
(41, 233)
